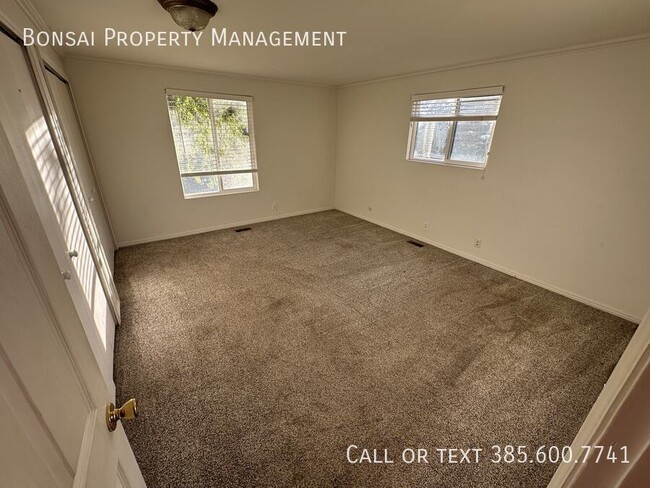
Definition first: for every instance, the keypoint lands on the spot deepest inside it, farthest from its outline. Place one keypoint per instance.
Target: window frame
(449, 143)
(251, 134)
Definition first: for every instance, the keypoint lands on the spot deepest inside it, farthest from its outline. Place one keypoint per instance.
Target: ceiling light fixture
(193, 15)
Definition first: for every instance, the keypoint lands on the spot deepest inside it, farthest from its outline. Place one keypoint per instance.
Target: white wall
(124, 112)
(565, 198)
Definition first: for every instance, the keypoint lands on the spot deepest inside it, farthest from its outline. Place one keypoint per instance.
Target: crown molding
(140, 64)
(508, 59)
(505, 59)
(37, 21)
(33, 15)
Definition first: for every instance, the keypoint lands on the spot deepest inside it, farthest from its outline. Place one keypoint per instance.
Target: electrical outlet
(274, 206)
(426, 226)
(369, 209)
(477, 242)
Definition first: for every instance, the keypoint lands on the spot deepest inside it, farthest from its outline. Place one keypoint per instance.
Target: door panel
(24, 321)
(25, 440)
(22, 474)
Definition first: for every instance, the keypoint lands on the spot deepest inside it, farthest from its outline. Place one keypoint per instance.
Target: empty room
(324, 244)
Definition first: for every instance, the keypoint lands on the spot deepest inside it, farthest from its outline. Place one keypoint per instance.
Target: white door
(53, 391)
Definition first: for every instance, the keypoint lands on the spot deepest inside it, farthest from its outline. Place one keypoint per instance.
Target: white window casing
(454, 128)
(214, 139)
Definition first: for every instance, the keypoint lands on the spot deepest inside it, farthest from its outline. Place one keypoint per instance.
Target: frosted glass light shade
(193, 15)
(190, 18)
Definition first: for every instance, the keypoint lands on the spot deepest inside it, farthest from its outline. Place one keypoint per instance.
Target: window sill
(459, 164)
(220, 193)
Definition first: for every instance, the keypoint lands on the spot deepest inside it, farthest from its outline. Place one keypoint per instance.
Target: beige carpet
(258, 357)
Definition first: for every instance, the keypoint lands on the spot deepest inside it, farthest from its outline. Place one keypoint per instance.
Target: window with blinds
(454, 128)
(214, 141)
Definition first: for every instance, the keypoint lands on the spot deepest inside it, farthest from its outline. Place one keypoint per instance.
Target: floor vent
(416, 243)
(243, 229)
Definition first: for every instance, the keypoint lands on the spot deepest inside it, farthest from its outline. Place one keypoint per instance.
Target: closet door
(68, 119)
(72, 155)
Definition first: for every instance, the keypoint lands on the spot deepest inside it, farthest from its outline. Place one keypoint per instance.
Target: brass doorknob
(128, 411)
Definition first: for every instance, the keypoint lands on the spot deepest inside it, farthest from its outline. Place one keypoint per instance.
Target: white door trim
(634, 361)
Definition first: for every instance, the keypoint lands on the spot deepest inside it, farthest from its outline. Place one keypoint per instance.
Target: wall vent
(415, 243)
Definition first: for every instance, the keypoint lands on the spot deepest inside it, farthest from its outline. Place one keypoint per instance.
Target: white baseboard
(228, 225)
(541, 284)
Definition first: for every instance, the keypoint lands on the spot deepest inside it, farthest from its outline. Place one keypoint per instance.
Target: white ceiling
(384, 38)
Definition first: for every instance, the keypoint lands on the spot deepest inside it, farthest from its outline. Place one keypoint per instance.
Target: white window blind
(214, 142)
(454, 128)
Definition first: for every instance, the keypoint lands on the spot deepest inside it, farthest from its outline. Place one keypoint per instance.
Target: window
(214, 141)
(454, 128)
